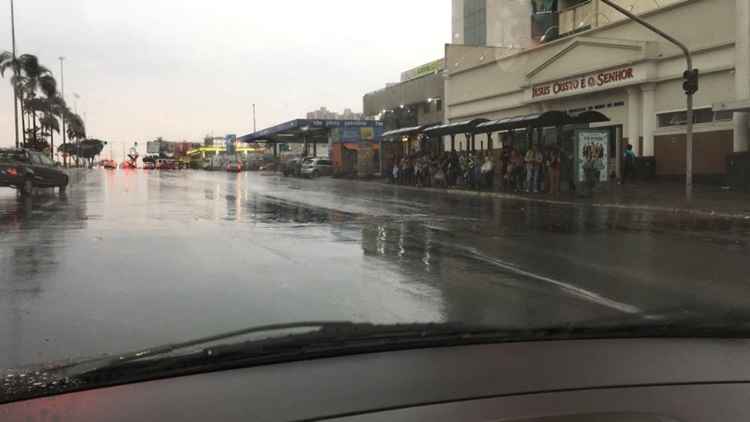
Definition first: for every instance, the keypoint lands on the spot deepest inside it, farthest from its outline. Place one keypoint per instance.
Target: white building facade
(615, 66)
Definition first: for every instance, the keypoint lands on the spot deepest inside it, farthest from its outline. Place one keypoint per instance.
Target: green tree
(30, 81)
(58, 109)
(50, 125)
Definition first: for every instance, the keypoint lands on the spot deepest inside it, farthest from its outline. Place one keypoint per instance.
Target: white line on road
(573, 290)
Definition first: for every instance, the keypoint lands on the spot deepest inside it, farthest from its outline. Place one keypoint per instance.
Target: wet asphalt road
(133, 259)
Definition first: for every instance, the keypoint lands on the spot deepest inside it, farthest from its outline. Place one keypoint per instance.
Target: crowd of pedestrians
(509, 169)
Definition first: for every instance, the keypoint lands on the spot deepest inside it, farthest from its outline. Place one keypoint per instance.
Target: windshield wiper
(322, 330)
(337, 334)
(332, 339)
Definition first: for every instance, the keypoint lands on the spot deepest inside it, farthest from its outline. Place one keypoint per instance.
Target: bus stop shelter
(402, 142)
(465, 127)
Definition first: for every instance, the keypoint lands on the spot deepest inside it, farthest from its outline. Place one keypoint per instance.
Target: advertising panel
(423, 70)
(592, 149)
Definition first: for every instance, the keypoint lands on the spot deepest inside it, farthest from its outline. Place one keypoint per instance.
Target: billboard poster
(355, 134)
(423, 70)
(592, 148)
(367, 133)
(350, 134)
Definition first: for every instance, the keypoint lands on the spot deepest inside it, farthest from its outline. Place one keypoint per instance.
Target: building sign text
(597, 80)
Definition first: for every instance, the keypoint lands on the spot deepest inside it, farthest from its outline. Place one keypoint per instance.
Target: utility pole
(254, 129)
(15, 70)
(62, 92)
(690, 86)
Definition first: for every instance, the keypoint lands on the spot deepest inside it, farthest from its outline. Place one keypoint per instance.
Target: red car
(234, 167)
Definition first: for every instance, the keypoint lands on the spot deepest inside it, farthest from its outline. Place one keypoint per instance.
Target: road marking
(573, 290)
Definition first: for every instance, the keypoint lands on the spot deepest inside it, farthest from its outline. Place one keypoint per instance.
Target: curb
(632, 207)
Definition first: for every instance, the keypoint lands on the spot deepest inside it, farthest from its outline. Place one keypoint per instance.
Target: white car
(316, 167)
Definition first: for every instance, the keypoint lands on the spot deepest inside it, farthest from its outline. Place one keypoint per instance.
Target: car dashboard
(616, 380)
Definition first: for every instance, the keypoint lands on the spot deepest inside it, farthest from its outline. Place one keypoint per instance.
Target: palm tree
(37, 78)
(76, 130)
(36, 90)
(34, 105)
(17, 81)
(50, 125)
(58, 109)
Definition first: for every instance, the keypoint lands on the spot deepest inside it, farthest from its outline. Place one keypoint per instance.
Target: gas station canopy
(296, 131)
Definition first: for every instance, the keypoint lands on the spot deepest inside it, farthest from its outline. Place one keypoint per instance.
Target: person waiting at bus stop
(534, 160)
(553, 169)
(628, 164)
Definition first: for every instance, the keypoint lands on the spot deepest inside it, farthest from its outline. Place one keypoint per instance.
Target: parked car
(291, 167)
(149, 165)
(316, 167)
(25, 170)
(234, 167)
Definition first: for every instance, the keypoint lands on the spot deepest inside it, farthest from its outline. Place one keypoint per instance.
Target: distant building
(325, 114)
(414, 101)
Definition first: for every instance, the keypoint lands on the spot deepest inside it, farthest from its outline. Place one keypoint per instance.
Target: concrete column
(620, 152)
(446, 81)
(742, 74)
(649, 119)
(634, 117)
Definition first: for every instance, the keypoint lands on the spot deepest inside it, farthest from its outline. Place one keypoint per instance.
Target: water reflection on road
(132, 259)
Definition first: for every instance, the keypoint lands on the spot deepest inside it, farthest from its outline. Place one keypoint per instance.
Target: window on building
(679, 118)
(704, 115)
(439, 105)
(426, 107)
(475, 22)
(724, 116)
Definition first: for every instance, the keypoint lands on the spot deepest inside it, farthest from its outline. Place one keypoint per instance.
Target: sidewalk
(713, 201)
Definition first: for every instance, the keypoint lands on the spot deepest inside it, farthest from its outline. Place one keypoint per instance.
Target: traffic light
(690, 84)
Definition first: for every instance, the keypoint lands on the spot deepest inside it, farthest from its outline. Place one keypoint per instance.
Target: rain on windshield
(172, 170)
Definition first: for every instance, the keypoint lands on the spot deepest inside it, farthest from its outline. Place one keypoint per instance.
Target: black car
(25, 170)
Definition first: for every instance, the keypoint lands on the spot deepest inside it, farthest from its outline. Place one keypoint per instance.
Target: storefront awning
(466, 126)
(586, 117)
(407, 131)
(546, 119)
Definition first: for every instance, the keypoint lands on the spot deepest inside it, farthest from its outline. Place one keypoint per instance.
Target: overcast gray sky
(184, 68)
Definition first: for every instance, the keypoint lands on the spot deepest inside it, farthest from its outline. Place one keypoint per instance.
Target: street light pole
(689, 60)
(62, 91)
(15, 70)
(254, 129)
